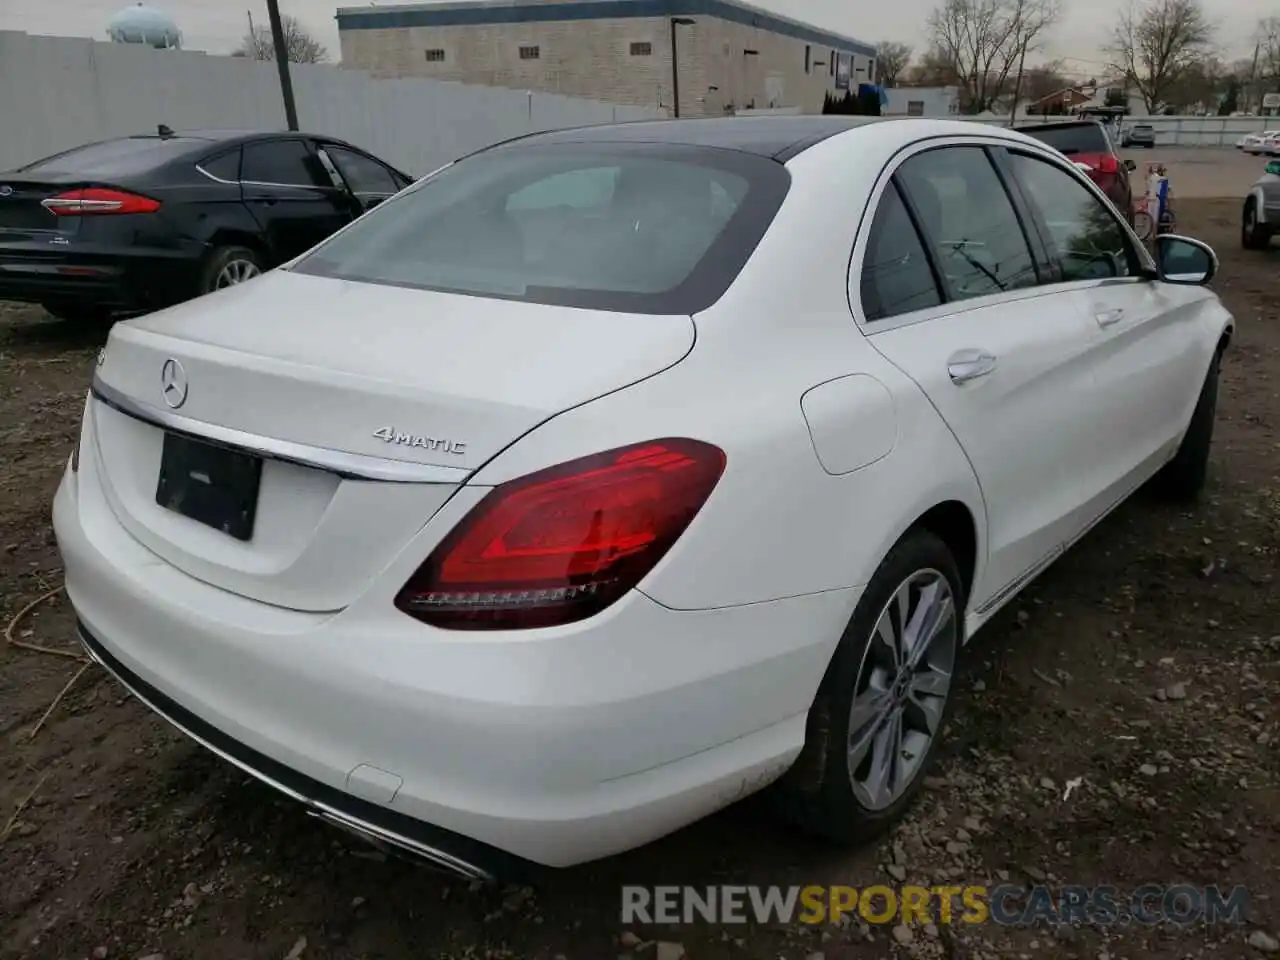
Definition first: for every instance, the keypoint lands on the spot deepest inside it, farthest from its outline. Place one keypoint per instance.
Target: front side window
(364, 175)
(642, 228)
(968, 221)
(896, 276)
(1084, 235)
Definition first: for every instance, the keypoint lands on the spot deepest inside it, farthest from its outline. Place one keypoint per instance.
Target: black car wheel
(1253, 235)
(229, 267)
(78, 312)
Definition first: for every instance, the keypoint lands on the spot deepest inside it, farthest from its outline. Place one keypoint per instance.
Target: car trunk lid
(373, 404)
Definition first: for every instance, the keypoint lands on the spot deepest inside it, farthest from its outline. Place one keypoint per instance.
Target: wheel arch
(236, 237)
(952, 522)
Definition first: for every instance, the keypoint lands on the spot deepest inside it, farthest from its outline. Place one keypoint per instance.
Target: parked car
(1139, 135)
(1088, 144)
(143, 222)
(1253, 143)
(609, 475)
(1260, 218)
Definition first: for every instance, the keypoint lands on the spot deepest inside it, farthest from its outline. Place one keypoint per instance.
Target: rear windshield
(112, 157)
(1081, 138)
(634, 227)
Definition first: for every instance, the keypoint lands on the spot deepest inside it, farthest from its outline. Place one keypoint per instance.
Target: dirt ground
(1144, 667)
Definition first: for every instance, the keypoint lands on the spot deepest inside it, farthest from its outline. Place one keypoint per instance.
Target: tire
(1183, 477)
(1253, 235)
(229, 266)
(818, 793)
(78, 312)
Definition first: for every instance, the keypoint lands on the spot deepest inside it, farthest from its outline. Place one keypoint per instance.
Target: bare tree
(891, 60)
(1156, 42)
(986, 40)
(1269, 49)
(934, 68)
(1044, 80)
(300, 46)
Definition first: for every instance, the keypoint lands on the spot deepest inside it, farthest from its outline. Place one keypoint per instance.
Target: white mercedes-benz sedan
(609, 475)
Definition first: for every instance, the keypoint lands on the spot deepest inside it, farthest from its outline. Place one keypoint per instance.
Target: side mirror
(1184, 260)
(1130, 166)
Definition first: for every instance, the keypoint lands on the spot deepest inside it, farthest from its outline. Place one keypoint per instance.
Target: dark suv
(1087, 143)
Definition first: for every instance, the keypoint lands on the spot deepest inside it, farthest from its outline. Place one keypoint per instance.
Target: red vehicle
(1087, 143)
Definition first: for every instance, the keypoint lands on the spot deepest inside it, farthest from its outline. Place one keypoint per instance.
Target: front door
(1144, 341)
(1004, 363)
(291, 196)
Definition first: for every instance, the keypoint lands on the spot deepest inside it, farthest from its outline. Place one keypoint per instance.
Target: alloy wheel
(902, 688)
(235, 272)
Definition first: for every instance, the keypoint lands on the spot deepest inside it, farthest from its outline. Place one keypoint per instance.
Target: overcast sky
(218, 25)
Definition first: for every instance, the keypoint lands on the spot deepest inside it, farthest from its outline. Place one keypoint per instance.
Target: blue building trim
(473, 14)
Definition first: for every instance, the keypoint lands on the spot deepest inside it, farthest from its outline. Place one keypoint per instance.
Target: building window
(435, 56)
(642, 49)
(871, 70)
(530, 53)
(808, 54)
(833, 63)
(915, 108)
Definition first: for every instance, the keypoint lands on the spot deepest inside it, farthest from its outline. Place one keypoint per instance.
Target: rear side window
(640, 228)
(896, 277)
(225, 166)
(283, 162)
(1080, 138)
(113, 158)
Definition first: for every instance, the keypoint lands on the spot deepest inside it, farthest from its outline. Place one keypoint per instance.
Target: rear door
(1004, 362)
(1143, 338)
(290, 195)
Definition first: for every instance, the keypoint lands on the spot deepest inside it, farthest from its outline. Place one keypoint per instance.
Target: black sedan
(142, 222)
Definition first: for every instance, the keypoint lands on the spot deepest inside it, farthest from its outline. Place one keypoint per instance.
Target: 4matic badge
(392, 435)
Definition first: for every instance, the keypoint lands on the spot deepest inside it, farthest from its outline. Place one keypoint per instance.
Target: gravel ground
(1143, 670)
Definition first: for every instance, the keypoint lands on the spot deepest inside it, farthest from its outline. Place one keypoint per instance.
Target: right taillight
(562, 544)
(1108, 164)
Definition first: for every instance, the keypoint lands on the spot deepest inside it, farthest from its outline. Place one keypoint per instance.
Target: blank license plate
(210, 484)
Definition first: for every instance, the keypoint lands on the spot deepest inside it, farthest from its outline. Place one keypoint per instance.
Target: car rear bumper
(482, 753)
(142, 278)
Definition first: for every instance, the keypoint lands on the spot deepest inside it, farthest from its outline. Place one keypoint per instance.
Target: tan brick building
(730, 55)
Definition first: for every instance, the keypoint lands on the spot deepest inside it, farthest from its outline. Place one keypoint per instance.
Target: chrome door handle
(1107, 317)
(966, 365)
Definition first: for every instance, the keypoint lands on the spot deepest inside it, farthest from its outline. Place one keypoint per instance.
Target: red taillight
(96, 201)
(562, 544)
(1108, 164)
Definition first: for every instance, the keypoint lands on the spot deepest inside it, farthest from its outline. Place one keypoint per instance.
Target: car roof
(776, 137)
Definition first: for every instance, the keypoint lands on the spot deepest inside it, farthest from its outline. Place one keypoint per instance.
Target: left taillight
(97, 201)
(562, 544)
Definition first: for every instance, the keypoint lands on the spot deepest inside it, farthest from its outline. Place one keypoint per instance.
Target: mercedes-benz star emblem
(173, 383)
(6, 191)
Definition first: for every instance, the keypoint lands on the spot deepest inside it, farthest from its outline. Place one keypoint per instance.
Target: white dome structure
(143, 24)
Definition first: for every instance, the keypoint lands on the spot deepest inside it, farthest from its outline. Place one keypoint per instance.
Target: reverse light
(96, 201)
(562, 544)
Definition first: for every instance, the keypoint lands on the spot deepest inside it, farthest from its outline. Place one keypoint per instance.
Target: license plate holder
(212, 485)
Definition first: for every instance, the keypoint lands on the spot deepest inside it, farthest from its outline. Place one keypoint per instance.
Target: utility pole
(282, 63)
(1017, 84)
(675, 63)
(1253, 79)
